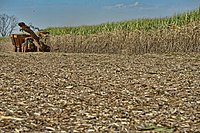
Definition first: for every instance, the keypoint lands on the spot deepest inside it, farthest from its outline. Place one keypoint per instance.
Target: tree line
(7, 24)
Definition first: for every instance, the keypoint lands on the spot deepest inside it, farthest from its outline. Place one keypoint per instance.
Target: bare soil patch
(59, 92)
(6, 47)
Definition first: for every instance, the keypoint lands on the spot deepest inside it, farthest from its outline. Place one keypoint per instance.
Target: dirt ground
(60, 92)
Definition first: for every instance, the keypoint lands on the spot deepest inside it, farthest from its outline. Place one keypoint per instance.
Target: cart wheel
(20, 48)
(15, 49)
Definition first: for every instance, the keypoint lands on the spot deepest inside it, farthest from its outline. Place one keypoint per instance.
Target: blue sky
(57, 13)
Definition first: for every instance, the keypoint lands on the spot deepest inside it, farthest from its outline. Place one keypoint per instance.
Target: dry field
(60, 92)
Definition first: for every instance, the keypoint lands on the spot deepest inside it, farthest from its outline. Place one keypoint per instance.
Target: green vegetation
(145, 24)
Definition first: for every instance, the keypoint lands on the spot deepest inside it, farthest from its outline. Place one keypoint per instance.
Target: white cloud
(136, 4)
(118, 6)
(123, 5)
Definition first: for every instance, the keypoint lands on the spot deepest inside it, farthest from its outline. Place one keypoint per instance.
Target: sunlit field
(179, 33)
(136, 76)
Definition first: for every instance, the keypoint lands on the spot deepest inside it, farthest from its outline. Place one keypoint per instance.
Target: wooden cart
(17, 40)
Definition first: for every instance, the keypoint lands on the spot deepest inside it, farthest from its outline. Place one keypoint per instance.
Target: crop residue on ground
(99, 93)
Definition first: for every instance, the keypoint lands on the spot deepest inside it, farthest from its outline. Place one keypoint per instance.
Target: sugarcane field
(140, 76)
